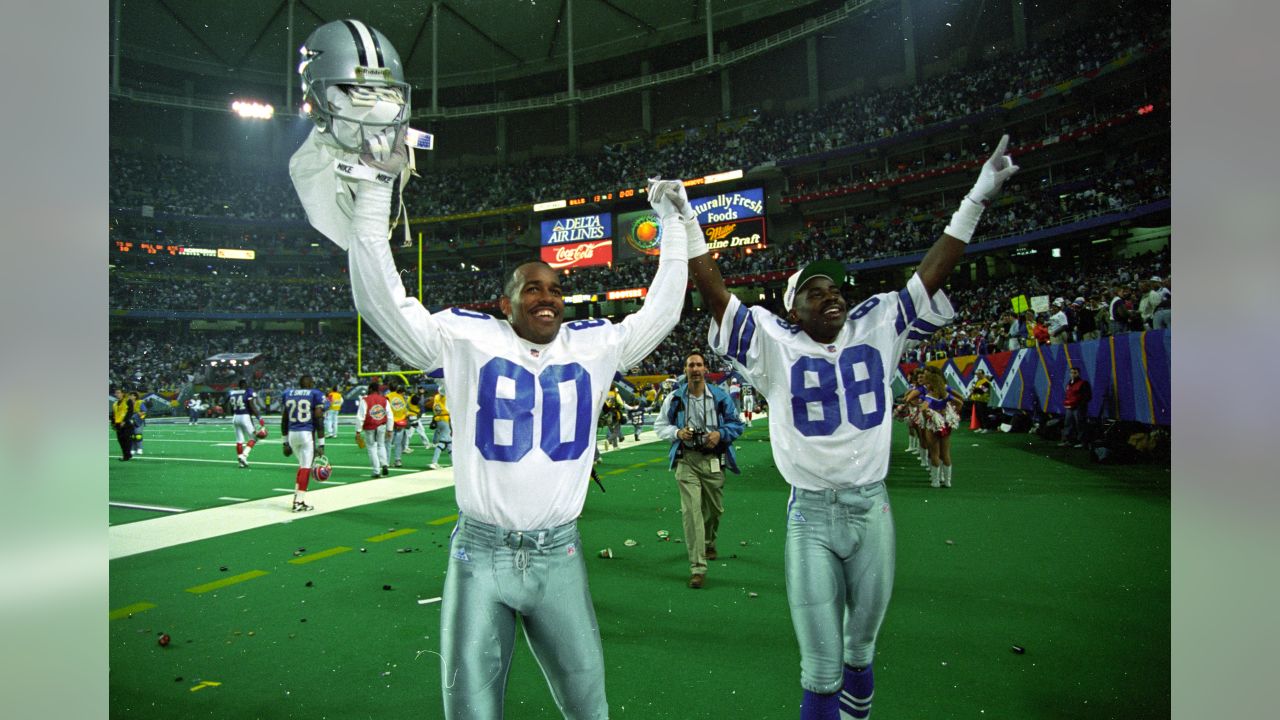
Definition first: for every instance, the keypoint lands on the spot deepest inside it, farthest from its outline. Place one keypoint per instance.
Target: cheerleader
(913, 404)
(902, 411)
(942, 415)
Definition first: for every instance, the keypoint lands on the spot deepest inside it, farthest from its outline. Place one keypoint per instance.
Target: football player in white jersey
(827, 372)
(525, 397)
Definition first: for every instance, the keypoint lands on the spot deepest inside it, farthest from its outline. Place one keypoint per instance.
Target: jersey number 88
(828, 391)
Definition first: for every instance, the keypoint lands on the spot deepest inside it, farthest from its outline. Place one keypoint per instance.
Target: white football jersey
(524, 415)
(830, 404)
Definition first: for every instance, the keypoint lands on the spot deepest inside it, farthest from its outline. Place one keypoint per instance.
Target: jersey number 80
(518, 409)
(831, 379)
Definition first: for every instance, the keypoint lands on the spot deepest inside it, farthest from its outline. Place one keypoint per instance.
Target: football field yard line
(271, 463)
(320, 555)
(170, 530)
(128, 610)
(224, 582)
(392, 534)
(141, 506)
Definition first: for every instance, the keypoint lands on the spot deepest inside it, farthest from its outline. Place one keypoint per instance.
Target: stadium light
(252, 110)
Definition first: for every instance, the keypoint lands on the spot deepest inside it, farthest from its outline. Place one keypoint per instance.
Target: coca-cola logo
(588, 253)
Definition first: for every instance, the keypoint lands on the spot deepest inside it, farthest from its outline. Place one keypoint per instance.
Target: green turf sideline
(139, 537)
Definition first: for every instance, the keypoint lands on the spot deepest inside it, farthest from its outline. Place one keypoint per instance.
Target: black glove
(288, 450)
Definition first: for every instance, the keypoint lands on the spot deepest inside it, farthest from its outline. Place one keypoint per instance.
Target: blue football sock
(855, 696)
(814, 706)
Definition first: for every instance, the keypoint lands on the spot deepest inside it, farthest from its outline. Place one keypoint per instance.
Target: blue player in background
(301, 421)
(244, 412)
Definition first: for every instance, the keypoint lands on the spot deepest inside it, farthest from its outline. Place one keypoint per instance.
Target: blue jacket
(730, 425)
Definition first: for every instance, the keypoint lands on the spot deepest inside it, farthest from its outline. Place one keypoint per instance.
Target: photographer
(701, 422)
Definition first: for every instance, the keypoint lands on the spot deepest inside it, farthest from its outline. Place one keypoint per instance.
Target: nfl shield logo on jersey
(831, 348)
(533, 352)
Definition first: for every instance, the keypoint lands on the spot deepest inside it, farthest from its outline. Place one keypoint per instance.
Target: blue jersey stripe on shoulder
(908, 305)
(735, 334)
(744, 342)
(900, 323)
(924, 325)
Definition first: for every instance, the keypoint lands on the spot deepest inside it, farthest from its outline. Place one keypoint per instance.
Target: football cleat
(299, 506)
(321, 468)
(244, 462)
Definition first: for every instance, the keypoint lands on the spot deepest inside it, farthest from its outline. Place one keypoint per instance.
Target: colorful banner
(1129, 374)
(639, 234)
(731, 236)
(582, 254)
(738, 205)
(577, 229)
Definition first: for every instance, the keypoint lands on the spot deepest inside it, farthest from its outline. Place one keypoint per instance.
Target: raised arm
(357, 219)
(946, 252)
(706, 275)
(661, 309)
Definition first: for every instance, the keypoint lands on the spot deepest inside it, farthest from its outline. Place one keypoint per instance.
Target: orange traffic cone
(973, 418)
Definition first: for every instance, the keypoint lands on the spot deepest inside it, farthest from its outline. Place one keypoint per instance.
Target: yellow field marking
(636, 466)
(392, 534)
(126, 611)
(444, 520)
(217, 584)
(319, 556)
(204, 684)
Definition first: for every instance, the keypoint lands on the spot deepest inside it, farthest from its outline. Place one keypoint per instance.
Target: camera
(699, 439)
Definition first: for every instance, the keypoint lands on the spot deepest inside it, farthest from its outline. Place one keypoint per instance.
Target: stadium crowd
(149, 360)
(894, 231)
(179, 187)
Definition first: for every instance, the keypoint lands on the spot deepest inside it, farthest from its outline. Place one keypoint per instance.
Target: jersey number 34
(834, 381)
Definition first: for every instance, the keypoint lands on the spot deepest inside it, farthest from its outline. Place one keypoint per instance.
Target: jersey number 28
(831, 380)
(518, 409)
(299, 411)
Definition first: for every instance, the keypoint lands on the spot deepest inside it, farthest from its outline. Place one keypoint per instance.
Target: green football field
(1034, 547)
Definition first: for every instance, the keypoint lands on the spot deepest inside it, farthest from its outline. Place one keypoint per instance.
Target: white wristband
(355, 171)
(964, 220)
(697, 239)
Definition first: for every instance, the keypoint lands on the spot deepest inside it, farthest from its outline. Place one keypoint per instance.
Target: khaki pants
(701, 482)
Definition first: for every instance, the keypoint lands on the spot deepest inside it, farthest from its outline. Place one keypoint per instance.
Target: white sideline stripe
(257, 462)
(170, 530)
(428, 601)
(234, 499)
(140, 506)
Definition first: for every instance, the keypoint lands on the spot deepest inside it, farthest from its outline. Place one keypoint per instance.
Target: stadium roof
(479, 40)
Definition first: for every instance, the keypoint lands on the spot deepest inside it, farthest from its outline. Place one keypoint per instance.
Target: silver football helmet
(353, 85)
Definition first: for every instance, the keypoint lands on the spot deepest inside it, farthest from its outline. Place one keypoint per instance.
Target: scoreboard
(628, 193)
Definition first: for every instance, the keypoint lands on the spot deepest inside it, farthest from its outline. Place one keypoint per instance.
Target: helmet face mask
(353, 84)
